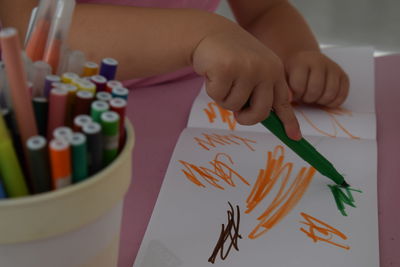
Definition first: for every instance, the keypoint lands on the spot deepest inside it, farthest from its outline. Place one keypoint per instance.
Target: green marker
(10, 168)
(79, 160)
(305, 150)
(98, 107)
(110, 129)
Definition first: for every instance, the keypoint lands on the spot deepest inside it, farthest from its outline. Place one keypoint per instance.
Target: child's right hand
(244, 76)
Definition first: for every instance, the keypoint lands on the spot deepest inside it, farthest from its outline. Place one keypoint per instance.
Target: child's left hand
(316, 79)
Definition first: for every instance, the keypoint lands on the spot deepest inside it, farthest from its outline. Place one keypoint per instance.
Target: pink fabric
(207, 5)
(160, 113)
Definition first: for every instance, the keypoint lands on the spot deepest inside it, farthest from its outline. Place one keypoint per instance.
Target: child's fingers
(343, 92)
(298, 80)
(285, 112)
(332, 89)
(218, 87)
(315, 85)
(260, 105)
(238, 95)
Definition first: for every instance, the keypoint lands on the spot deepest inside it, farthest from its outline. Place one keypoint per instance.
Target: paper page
(354, 120)
(290, 219)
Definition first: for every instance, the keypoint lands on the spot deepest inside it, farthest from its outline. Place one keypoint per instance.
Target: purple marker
(48, 85)
(108, 68)
(100, 82)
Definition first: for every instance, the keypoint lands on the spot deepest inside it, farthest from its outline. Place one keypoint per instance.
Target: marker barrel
(38, 163)
(60, 159)
(10, 168)
(108, 68)
(83, 101)
(22, 103)
(112, 84)
(98, 107)
(100, 82)
(104, 96)
(57, 109)
(80, 121)
(110, 128)
(69, 77)
(80, 169)
(2, 191)
(63, 132)
(119, 105)
(48, 84)
(120, 92)
(90, 68)
(95, 146)
(41, 108)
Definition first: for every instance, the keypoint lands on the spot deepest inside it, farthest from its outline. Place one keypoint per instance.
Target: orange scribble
(226, 115)
(212, 140)
(332, 113)
(222, 169)
(326, 231)
(288, 195)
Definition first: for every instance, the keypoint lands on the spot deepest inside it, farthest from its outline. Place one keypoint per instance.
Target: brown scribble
(288, 195)
(320, 231)
(221, 169)
(229, 235)
(208, 141)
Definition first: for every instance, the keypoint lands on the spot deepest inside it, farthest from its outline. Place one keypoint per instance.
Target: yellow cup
(76, 226)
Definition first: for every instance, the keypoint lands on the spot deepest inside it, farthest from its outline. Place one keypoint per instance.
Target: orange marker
(58, 33)
(60, 160)
(36, 43)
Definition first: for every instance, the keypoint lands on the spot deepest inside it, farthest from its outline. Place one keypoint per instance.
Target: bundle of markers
(61, 116)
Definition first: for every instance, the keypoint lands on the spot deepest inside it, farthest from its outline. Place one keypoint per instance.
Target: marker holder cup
(75, 226)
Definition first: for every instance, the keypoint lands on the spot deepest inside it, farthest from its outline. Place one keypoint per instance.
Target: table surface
(160, 113)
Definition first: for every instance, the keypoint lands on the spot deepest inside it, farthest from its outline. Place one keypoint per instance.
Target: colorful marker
(95, 146)
(60, 159)
(119, 105)
(104, 96)
(109, 68)
(304, 149)
(110, 129)
(100, 82)
(79, 157)
(90, 68)
(120, 92)
(41, 108)
(22, 103)
(112, 84)
(38, 162)
(10, 169)
(83, 101)
(2, 191)
(63, 133)
(69, 77)
(80, 121)
(98, 108)
(41, 70)
(57, 109)
(48, 84)
(88, 86)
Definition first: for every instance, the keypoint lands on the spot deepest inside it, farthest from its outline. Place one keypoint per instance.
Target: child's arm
(241, 73)
(312, 77)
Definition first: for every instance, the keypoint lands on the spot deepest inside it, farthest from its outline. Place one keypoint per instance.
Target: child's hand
(315, 79)
(246, 77)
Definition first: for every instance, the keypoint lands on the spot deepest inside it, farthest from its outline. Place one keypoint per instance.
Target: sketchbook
(236, 196)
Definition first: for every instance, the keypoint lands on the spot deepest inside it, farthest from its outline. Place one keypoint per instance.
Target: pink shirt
(208, 5)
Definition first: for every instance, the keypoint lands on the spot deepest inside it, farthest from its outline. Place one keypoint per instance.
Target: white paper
(213, 167)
